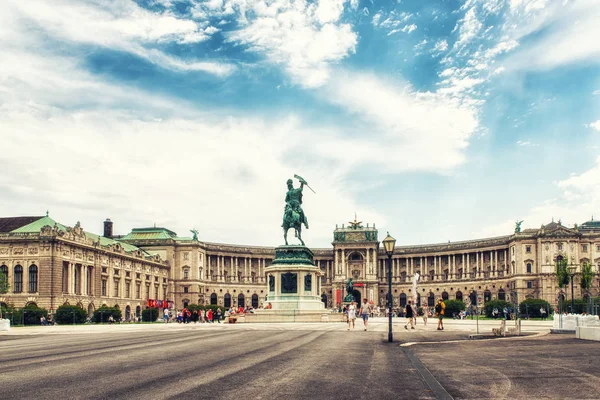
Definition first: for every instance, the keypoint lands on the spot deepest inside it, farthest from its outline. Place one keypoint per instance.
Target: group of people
(364, 311)
(411, 314)
(186, 316)
(48, 321)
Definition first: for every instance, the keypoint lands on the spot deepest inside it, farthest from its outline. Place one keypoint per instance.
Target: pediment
(560, 231)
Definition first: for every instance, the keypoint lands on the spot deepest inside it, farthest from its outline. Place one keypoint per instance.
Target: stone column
(505, 262)
(495, 263)
(453, 273)
(467, 266)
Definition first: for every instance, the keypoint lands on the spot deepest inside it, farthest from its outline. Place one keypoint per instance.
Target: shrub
(69, 315)
(499, 304)
(150, 314)
(103, 313)
(29, 315)
(530, 308)
(453, 307)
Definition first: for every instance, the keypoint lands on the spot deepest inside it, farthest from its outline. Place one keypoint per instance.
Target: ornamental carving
(32, 250)
(308, 282)
(4, 250)
(18, 250)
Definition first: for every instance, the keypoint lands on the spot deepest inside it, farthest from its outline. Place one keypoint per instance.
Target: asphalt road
(215, 364)
(291, 361)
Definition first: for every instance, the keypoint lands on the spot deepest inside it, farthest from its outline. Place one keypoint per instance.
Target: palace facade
(50, 264)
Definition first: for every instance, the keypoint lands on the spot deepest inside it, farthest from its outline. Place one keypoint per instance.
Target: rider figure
(293, 201)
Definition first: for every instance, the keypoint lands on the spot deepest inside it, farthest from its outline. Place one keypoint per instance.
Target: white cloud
(125, 26)
(595, 125)
(579, 197)
(526, 143)
(569, 32)
(440, 46)
(409, 28)
(303, 38)
(468, 28)
(410, 123)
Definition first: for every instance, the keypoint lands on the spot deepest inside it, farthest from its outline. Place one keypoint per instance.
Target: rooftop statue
(518, 226)
(195, 232)
(293, 214)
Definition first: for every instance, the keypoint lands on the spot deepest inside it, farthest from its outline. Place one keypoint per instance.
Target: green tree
(150, 314)
(587, 276)
(562, 273)
(69, 315)
(498, 304)
(102, 314)
(531, 308)
(453, 307)
(4, 286)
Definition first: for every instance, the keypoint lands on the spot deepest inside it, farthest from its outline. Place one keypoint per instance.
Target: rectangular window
(585, 248)
(598, 248)
(529, 284)
(103, 287)
(127, 290)
(138, 290)
(116, 288)
(147, 290)
(560, 247)
(116, 272)
(185, 289)
(164, 292)
(527, 249)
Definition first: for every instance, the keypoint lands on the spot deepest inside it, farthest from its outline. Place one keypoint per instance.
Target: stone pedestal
(4, 325)
(294, 282)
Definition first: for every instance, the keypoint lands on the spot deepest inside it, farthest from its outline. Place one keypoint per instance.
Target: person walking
(219, 314)
(364, 313)
(439, 310)
(425, 314)
(351, 315)
(410, 312)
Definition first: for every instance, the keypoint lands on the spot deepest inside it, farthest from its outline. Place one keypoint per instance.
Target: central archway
(357, 296)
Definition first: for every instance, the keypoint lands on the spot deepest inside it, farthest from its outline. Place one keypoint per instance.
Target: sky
(435, 120)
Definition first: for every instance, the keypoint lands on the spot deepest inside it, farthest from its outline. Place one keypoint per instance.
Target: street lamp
(388, 244)
(572, 270)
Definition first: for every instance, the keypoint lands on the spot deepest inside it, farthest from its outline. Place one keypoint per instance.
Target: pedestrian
(219, 314)
(209, 315)
(439, 310)
(351, 314)
(425, 314)
(364, 313)
(166, 315)
(410, 312)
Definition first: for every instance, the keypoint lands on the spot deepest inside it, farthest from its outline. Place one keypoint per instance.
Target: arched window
(255, 300)
(487, 296)
(445, 295)
(402, 299)
(528, 268)
(227, 300)
(213, 299)
(18, 279)
(431, 299)
(241, 302)
(4, 271)
(459, 295)
(501, 295)
(356, 257)
(33, 278)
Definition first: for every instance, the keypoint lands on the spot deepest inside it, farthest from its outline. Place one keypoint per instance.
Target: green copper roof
(149, 234)
(36, 226)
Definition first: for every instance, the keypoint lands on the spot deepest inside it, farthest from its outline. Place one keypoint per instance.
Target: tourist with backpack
(439, 310)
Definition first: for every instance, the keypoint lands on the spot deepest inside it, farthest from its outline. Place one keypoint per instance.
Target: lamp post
(388, 244)
(572, 270)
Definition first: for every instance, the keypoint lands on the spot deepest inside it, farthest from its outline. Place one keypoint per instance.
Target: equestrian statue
(293, 214)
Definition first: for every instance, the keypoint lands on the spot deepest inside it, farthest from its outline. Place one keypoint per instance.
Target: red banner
(338, 296)
(359, 284)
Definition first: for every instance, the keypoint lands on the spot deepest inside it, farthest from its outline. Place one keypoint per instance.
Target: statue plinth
(294, 280)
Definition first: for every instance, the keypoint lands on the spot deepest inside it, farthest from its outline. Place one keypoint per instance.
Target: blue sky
(436, 120)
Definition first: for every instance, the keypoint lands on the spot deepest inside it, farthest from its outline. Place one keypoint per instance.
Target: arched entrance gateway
(357, 296)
